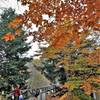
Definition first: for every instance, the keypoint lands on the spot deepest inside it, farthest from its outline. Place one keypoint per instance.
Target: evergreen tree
(6, 17)
(55, 75)
(12, 62)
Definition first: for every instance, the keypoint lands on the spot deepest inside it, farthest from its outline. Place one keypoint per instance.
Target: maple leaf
(94, 79)
(90, 59)
(16, 22)
(18, 32)
(8, 37)
(59, 42)
(94, 57)
(87, 87)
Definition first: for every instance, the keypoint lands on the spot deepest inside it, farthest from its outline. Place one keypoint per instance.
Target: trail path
(37, 80)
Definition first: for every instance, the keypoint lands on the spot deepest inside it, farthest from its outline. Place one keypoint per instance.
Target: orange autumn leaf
(94, 79)
(86, 86)
(78, 41)
(25, 1)
(18, 32)
(61, 40)
(97, 56)
(16, 22)
(8, 37)
(45, 1)
(90, 59)
(94, 57)
(97, 25)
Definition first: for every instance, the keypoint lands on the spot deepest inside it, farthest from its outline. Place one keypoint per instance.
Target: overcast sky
(13, 4)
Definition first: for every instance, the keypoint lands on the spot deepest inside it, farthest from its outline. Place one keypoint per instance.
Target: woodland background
(70, 29)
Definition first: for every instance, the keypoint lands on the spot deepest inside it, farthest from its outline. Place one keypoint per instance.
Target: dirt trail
(37, 80)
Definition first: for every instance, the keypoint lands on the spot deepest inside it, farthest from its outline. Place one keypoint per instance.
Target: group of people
(16, 94)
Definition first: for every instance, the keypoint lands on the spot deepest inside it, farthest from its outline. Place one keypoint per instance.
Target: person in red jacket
(17, 92)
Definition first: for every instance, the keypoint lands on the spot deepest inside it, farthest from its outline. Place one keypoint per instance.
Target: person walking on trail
(17, 92)
(34, 93)
(21, 97)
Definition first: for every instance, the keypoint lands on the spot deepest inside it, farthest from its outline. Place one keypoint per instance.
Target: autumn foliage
(8, 37)
(94, 57)
(16, 22)
(72, 20)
